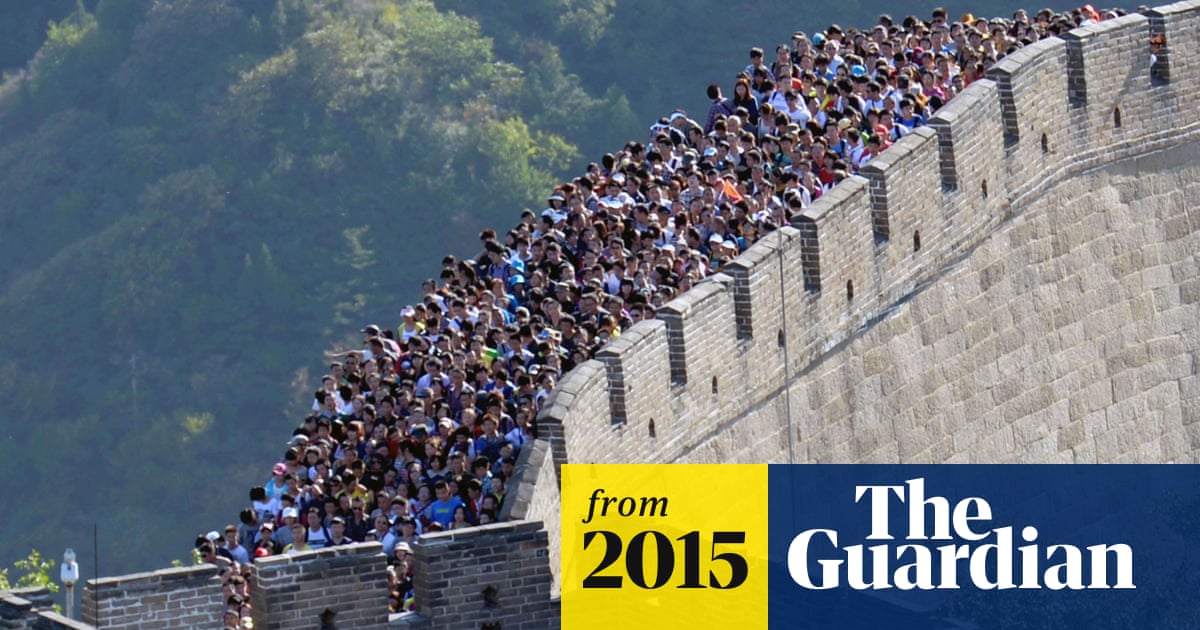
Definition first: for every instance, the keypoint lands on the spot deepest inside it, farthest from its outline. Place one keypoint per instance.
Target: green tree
(35, 572)
(196, 191)
(23, 27)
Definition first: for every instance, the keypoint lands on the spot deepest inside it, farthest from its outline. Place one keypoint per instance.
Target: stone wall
(494, 576)
(1069, 336)
(346, 585)
(188, 597)
(1017, 282)
(532, 501)
(474, 578)
(33, 609)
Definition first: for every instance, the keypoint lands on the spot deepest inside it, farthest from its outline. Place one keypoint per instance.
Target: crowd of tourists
(418, 430)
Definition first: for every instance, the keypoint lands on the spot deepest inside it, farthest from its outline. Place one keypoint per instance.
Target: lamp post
(69, 575)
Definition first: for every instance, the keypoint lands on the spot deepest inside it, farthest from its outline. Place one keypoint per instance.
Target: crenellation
(906, 200)
(1032, 89)
(1113, 57)
(639, 375)
(1180, 22)
(578, 412)
(160, 595)
(840, 224)
(1176, 24)
(348, 580)
(767, 271)
(970, 141)
(701, 327)
(520, 587)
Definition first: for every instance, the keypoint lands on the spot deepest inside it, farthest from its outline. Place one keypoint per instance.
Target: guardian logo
(948, 546)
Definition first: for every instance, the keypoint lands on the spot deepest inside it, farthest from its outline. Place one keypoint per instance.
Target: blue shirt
(443, 511)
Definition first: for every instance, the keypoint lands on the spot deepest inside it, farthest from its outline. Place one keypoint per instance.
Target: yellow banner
(664, 546)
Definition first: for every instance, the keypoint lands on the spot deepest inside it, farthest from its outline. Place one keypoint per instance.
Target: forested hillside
(197, 197)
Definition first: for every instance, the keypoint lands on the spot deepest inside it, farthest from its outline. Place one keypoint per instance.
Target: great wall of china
(1017, 282)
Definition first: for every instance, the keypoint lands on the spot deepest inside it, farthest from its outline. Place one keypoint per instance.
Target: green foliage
(575, 23)
(35, 572)
(200, 197)
(23, 27)
(526, 160)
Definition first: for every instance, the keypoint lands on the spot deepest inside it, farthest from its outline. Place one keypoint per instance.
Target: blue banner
(983, 547)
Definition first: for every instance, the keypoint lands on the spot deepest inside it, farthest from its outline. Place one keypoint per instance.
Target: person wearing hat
(940, 40)
(403, 566)
(832, 49)
(266, 540)
(299, 440)
(210, 552)
(446, 429)
(614, 193)
(409, 326)
(714, 243)
(283, 534)
(275, 486)
(553, 217)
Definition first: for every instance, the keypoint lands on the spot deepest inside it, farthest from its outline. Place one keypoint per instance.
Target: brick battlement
(347, 583)
(174, 598)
